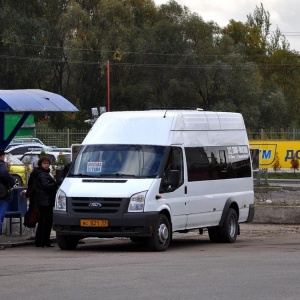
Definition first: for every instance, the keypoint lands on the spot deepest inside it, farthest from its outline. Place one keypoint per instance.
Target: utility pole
(108, 85)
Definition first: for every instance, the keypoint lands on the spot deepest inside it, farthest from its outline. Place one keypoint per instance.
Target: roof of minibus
(158, 127)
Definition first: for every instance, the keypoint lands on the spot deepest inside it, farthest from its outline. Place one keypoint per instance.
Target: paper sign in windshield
(94, 166)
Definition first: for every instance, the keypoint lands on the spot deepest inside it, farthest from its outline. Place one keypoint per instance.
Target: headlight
(61, 201)
(137, 202)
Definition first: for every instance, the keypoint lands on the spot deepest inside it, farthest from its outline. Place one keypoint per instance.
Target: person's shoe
(49, 246)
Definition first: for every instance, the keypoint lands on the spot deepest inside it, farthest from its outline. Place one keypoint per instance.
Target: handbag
(31, 217)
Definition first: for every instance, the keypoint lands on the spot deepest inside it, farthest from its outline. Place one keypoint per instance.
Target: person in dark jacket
(45, 190)
(8, 181)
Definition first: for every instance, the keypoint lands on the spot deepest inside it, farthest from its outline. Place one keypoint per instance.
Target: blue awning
(33, 100)
(26, 102)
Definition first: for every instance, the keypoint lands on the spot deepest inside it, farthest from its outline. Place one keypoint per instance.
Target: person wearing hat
(8, 182)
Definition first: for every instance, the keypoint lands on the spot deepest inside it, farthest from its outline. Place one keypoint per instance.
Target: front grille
(96, 205)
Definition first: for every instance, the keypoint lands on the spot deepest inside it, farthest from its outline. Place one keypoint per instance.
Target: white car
(27, 140)
(32, 157)
(20, 149)
(24, 140)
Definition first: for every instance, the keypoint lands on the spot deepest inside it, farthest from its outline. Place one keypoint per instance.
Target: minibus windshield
(136, 161)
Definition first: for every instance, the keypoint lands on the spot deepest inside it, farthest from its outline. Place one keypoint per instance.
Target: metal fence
(61, 138)
(66, 137)
(274, 134)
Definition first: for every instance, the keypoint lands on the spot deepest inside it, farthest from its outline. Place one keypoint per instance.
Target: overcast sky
(283, 13)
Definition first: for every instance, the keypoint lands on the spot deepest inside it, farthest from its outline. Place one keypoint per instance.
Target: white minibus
(147, 174)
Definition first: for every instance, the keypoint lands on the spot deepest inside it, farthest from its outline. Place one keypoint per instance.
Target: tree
(276, 166)
(295, 164)
(61, 161)
(273, 107)
(283, 69)
(161, 56)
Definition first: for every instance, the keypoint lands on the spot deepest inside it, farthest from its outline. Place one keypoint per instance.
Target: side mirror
(171, 183)
(174, 178)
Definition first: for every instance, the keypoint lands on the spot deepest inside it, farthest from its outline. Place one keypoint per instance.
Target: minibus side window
(198, 164)
(214, 163)
(223, 164)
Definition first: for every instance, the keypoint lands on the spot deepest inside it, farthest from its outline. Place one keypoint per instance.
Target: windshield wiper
(126, 175)
(111, 175)
(80, 175)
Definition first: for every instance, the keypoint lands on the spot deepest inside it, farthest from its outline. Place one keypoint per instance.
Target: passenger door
(175, 194)
(199, 187)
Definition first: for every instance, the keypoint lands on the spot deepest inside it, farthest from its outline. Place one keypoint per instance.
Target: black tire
(67, 242)
(229, 230)
(18, 180)
(214, 234)
(161, 237)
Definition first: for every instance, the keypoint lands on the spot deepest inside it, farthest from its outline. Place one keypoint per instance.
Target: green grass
(282, 175)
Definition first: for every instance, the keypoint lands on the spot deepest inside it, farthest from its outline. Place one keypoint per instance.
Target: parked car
(27, 140)
(12, 145)
(24, 140)
(17, 169)
(61, 149)
(19, 150)
(32, 157)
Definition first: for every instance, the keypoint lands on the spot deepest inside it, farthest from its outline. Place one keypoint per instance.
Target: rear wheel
(214, 234)
(67, 242)
(229, 230)
(161, 237)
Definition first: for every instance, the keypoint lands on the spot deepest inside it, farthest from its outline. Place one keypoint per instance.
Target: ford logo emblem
(95, 204)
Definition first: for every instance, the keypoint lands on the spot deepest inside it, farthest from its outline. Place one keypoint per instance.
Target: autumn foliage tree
(276, 166)
(159, 56)
(295, 164)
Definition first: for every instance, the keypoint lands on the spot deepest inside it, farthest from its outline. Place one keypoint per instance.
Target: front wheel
(67, 242)
(161, 237)
(214, 234)
(138, 239)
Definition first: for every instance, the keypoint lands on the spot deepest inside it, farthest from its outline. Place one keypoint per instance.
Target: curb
(10, 243)
(277, 215)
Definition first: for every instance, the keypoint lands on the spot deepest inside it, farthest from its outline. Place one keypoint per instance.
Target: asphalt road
(264, 264)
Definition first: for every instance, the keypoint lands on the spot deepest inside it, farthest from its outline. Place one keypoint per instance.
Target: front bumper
(127, 225)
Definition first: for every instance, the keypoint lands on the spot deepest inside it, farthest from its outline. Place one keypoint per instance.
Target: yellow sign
(285, 151)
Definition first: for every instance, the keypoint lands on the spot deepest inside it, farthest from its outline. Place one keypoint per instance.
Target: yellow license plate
(93, 223)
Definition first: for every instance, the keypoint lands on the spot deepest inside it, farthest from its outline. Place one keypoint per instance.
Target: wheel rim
(17, 181)
(163, 233)
(232, 226)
